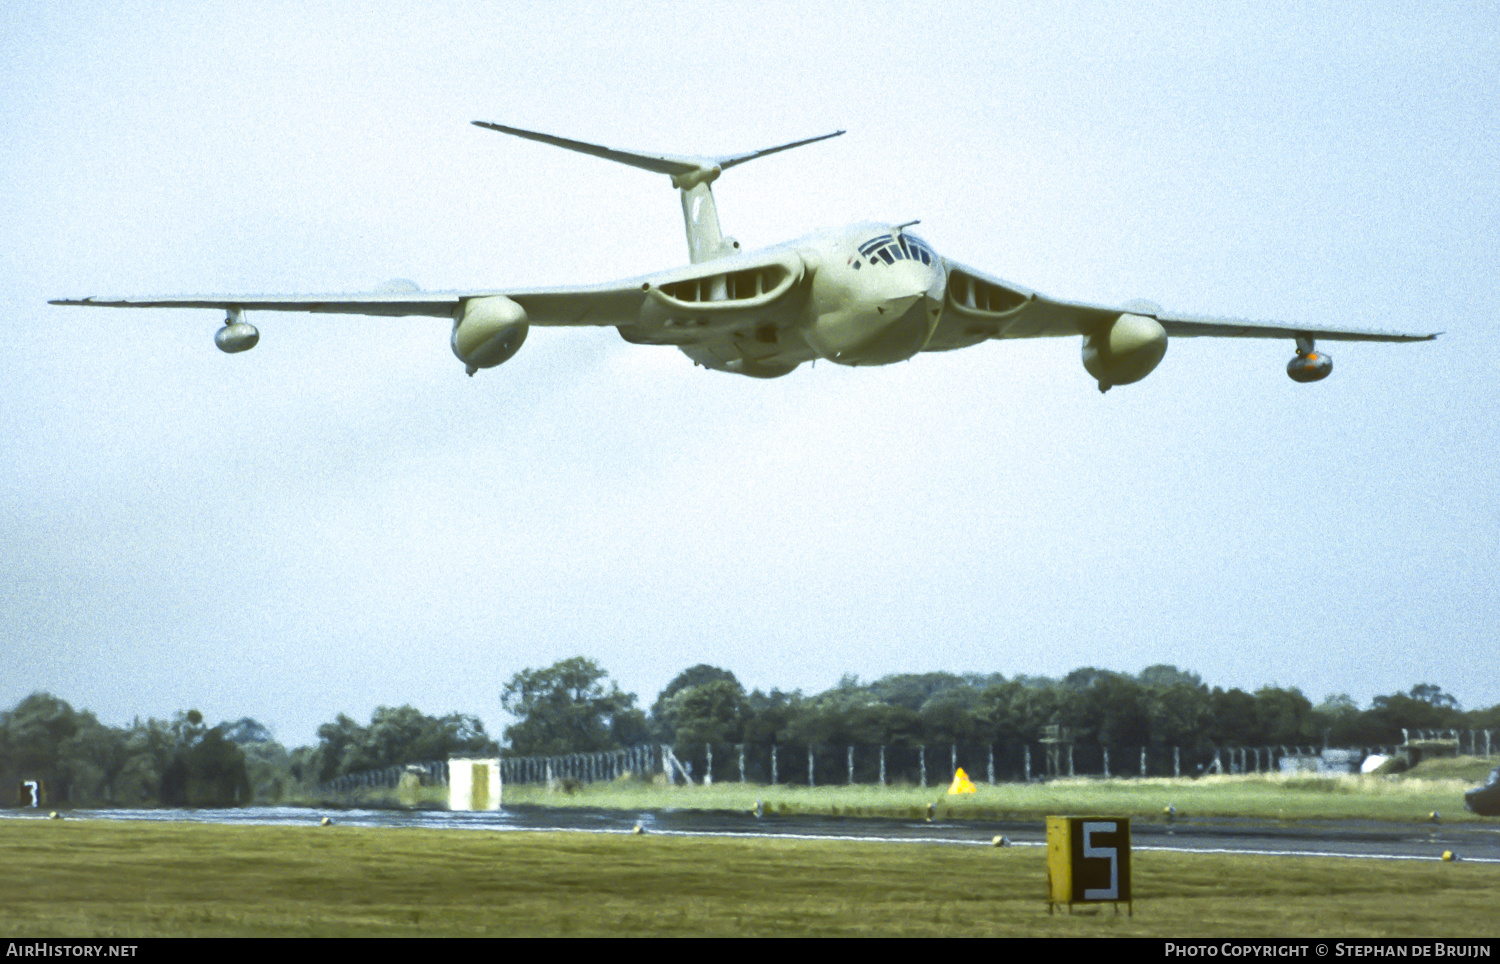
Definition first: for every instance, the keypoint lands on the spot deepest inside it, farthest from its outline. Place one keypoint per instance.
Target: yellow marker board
(1088, 861)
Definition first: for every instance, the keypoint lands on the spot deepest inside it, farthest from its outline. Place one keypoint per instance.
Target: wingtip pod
(1311, 367)
(237, 335)
(1309, 364)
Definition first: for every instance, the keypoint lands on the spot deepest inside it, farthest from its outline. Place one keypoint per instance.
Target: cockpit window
(898, 248)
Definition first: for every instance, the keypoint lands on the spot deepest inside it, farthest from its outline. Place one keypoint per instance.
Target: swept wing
(726, 307)
(980, 306)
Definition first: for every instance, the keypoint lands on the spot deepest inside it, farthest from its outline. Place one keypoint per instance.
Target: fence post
(991, 748)
(953, 756)
(1143, 761)
(708, 766)
(773, 764)
(1028, 762)
(882, 764)
(1070, 761)
(851, 766)
(809, 766)
(922, 759)
(1176, 761)
(742, 763)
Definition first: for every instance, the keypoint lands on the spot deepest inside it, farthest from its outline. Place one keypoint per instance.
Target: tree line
(574, 707)
(184, 762)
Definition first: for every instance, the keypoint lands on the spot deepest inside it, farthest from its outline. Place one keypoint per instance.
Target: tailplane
(690, 175)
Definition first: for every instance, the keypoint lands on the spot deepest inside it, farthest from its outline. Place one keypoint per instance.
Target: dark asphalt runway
(1351, 838)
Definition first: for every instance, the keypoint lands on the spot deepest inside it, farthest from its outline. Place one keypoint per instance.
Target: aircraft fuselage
(871, 295)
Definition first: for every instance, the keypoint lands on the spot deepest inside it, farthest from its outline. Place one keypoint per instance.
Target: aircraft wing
(980, 307)
(1193, 326)
(727, 287)
(729, 313)
(610, 304)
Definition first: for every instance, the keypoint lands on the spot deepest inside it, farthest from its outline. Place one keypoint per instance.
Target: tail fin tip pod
(690, 174)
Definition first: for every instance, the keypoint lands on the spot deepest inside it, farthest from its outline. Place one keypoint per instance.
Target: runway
(1364, 839)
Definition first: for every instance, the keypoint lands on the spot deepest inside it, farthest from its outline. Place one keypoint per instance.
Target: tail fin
(690, 175)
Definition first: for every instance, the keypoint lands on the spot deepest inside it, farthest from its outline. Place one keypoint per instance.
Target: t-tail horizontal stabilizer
(691, 175)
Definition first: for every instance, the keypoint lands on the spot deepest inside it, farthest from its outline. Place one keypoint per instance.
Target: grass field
(1269, 798)
(107, 878)
(1438, 785)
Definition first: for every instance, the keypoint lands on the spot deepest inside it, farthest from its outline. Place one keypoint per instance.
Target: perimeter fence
(922, 765)
(427, 773)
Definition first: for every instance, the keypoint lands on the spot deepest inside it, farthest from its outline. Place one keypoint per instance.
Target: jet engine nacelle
(1309, 366)
(1125, 352)
(488, 331)
(237, 335)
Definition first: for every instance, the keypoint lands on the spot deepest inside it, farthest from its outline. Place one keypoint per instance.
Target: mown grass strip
(102, 878)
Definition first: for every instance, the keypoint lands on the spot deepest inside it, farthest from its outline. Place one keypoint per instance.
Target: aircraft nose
(897, 306)
(885, 314)
(909, 282)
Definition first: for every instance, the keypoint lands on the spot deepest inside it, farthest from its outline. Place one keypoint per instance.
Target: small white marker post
(474, 784)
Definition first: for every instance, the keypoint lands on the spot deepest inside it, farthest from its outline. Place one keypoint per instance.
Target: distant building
(1326, 763)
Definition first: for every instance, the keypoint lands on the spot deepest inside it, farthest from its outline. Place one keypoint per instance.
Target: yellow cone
(961, 783)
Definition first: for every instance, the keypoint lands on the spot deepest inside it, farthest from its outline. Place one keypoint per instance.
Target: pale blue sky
(339, 519)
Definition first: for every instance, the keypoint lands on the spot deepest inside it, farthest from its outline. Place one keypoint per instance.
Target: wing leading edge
(609, 304)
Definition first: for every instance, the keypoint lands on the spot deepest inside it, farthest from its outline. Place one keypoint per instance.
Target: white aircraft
(869, 294)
